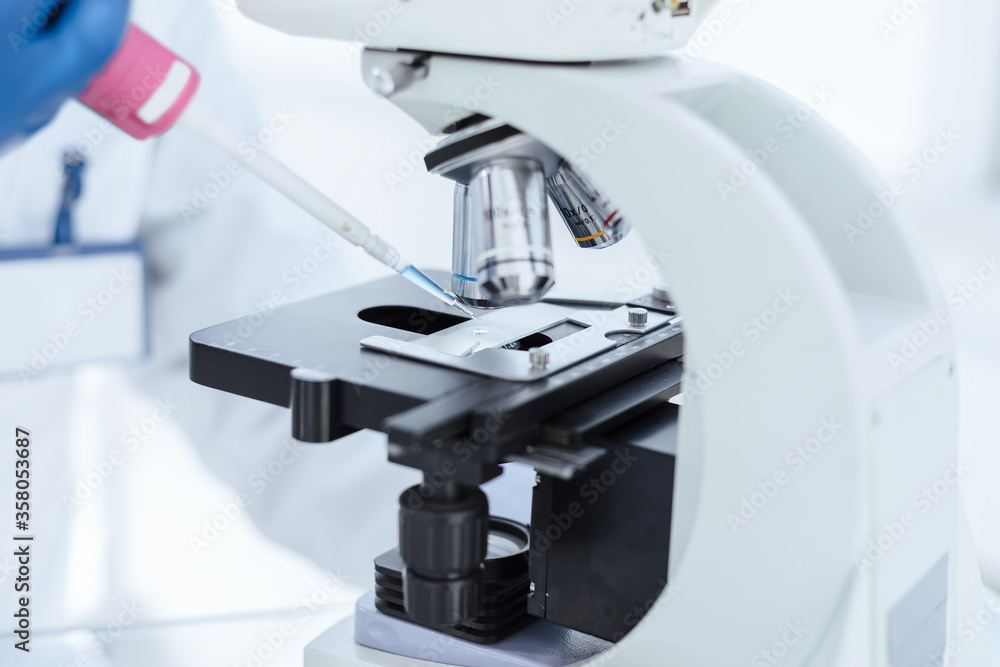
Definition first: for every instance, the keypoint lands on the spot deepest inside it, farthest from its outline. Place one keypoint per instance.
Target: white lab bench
(224, 641)
(274, 639)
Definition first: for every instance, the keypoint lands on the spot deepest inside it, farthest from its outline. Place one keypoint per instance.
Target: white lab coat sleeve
(336, 503)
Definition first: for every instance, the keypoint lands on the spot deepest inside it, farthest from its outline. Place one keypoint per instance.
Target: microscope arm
(795, 280)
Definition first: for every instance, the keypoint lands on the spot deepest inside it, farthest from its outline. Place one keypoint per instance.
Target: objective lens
(592, 220)
(510, 213)
(464, 249)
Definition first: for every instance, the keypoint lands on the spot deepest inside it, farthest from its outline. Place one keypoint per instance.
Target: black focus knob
(443, 535)
(443, 602)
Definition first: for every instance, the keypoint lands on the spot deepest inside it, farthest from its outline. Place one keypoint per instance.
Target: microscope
(756, 483)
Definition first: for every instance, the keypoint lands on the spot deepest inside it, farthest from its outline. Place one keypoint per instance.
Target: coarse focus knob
(443, 602)
(638, 317)
(443, 535)
(442, 538)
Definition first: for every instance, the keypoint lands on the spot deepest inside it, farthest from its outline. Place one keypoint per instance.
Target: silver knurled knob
(661, 293)
(638, 317)
(539, 358)
(388, 80)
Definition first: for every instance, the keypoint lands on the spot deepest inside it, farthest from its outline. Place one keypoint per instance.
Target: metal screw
(638, 317)
(661, 293)
(539, 358)
(389, 80)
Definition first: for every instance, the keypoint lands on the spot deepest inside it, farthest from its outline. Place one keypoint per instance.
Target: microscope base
(336, 648)
(373, 638)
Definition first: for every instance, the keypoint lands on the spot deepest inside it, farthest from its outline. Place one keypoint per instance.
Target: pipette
(201, 120)
(171, 100)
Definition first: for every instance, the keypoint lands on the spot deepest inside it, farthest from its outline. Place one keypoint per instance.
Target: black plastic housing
(600, 542)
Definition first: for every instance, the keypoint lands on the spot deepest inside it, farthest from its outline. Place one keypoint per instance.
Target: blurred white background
(892, 91)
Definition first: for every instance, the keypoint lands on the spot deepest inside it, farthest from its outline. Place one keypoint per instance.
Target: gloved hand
(51, 50)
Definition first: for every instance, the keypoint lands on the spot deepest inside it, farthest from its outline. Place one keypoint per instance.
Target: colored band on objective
(592, 236)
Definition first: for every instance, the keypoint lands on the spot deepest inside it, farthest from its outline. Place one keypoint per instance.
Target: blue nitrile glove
(49, 51)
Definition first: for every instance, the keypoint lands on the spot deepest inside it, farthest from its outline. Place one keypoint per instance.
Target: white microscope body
(816, 515)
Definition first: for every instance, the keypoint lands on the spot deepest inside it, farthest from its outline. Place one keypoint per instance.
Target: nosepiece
(502, 248)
